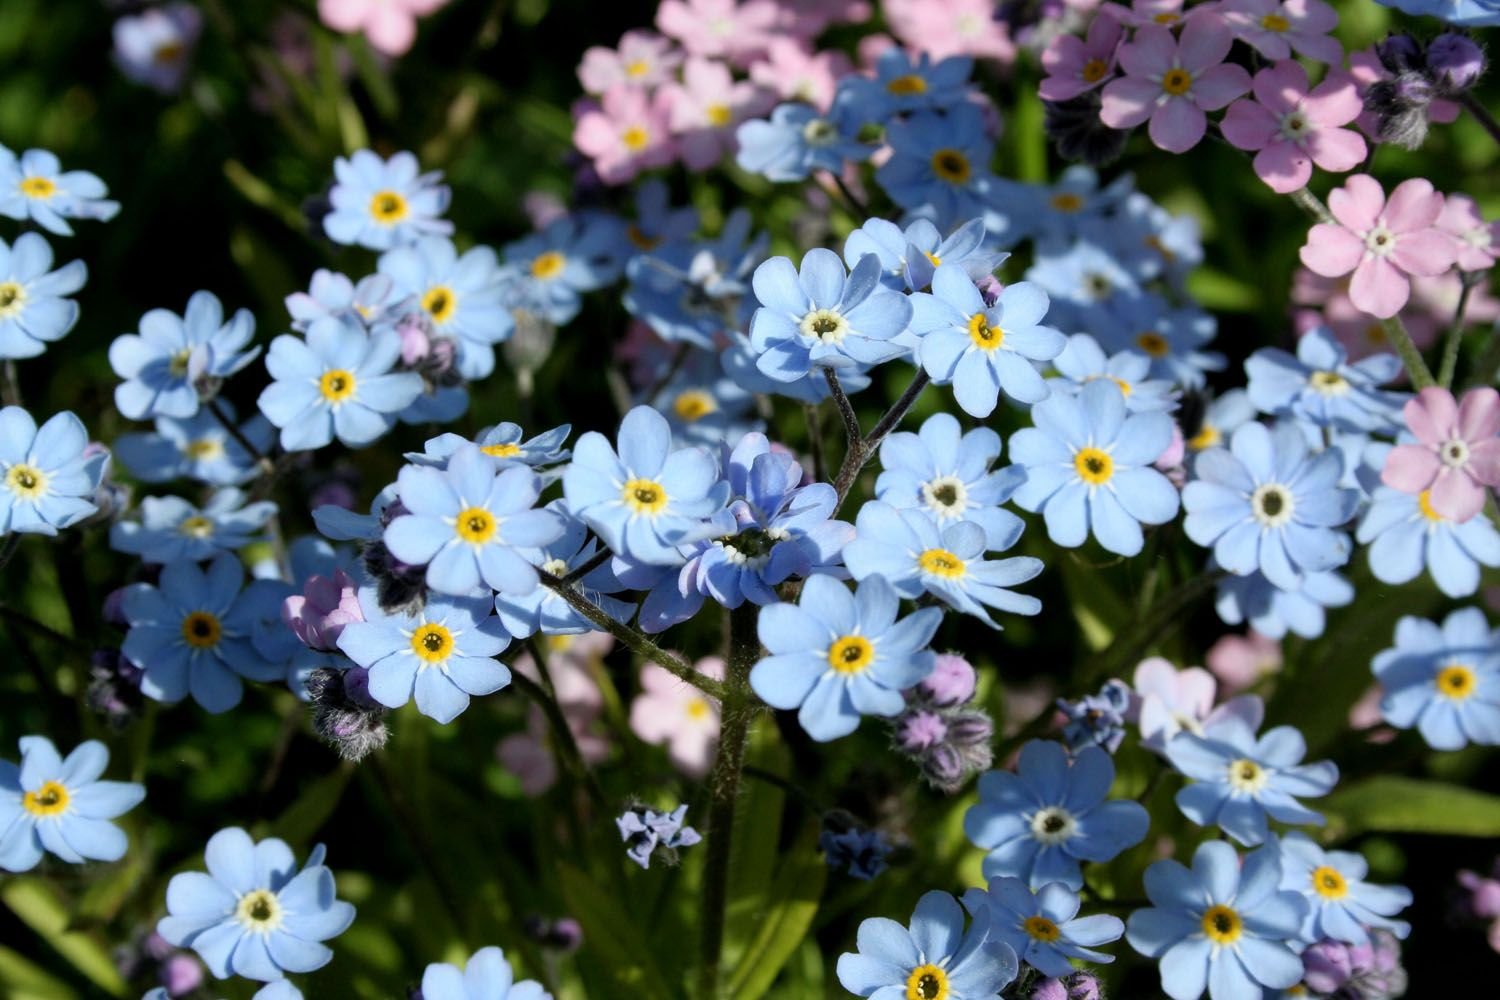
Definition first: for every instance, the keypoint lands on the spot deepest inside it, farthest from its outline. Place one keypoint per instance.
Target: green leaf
(1408, 805)
(41, 907)
(109, 890)
(24, 980)
(793, 902)
(1216, 290)
(302, 820)
(754, 851)
(613, 936)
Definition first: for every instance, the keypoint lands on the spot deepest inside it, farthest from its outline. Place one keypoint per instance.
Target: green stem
(1448, 367)
(244, 442)
(1481, 115)
(562, 733)
(862, 447)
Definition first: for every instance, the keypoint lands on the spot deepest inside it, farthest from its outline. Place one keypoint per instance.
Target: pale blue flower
(1057, 214)
(372, 301)
(554, 268)
(463, 297)
(1322, 387)
(1406, 535)
(254, 913)
(1148, 241)
(1467, 13)
(1173, 338)
(934, 958)
(197, 447)
(1083, 361)
(544, 610)
(48, 475)
(175, 360)
(173, 529)
(1273, 612)
(904, 84)
(1223, 415)
(1341, 904)
(34, 186)
(705, 406)
(1042, 925)
(1082, 283)
(503, 443)
(58, 804)
(1444, 681)
(739, 362)
(797, 140)
(939, 166)
(644, 831)
(909, 257)
(381, 204)
(696, 292)
(33, 309)
(155, 47)
(486, 976)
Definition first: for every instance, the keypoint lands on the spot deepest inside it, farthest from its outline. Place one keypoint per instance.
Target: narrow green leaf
(1217, 290)
(754, 851)
(24, 980)
(1392, 804)
(41, 907)
(793, 902)
(613, 936)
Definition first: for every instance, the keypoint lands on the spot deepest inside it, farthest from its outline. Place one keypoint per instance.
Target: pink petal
(1336, 149)
(595, 135)
(1410, 468)
(1484, 461)
(343, 15)
(1335, 101)
(1311, 15)
(1456, 496)
(1214, 88)
(1379, 288)
(1062, 88)
(1426, 251)
(1331, 250)
(1432, 415)
(1205, 42)
(1284, 166)
(1150, 53)
(1177, 125)
(1358, 203)
(1413, 205)
(1128, 101)
(1479, 414)
(1281, 86)
(1248, 125)
(1319, 47)
(391, 30)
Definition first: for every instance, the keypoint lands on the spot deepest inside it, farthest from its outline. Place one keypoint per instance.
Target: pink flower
(793, 73)
(644, 59)
(720, 28)
(805, 20)
(625, 134)
(950, 28)
(1241, 661)
(1458, 454)
(1173, 82)
(1274, 29)
(1382, 242)
(529, 755)
(1076, 65)
(1169, 701)
(705, 109)
(671, 711)
(1292, 128)
(1366, 68)
(1478, 241)
(390, 25)
(1166, 13)
(318, 615)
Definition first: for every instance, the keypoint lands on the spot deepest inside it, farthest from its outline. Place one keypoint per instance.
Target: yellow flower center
(1329, 883)
(177, 364)
(927, 982)
(1424, 504)
(49, 800)
(1094, 466)
(475, 525)
(985, 337)
(38, 187)
(1222, 925)
(1093, 71)
(439, 303)
(196, 526)
(1066, 201)
(201, 629)
(1275, 22)
(168, 53)
(548, 265)
(12, 298)
(951, 165)
(204, 449)
(852, 654)
(640, 239)
(259, 911)
(1328, 383)
(637, 68)
(1456, 681)
(644, 496)
(635, 138)
(941, 562)
(336, 385)
(1041, 929)
(508, 450)
(693, 405)
(1208, 435)
(933, 259)
(907, 86)
(719, 115)
(1177, 82)
(1166, 18)
(432, 643)
(1153, 343)
(26, 481)
(697, 710)
(388, 207)
(1246, 775)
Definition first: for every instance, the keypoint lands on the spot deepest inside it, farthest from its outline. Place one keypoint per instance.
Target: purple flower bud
(1049, 989)
(1084, 986)
(1455, 62)
(318, 615)
(943, 767)
(334, 493)
(567, 934)
(156, 946)
(1399, 53)
(353, 725)
(415, 342)
(990, 288)
(357, 687)
(860, 852)
(114, 608)
(181, 974)
(971, 728)
(919, 730)
(951, 682)
(1484, 895)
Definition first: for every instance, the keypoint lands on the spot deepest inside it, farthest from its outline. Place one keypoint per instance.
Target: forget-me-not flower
(1273, 612)
(544, 610)
(1041, 822)
(1405, 535)
(696, 292)
(1043, 925)
(904, 83)
(934, 958)
(1083, 361)
(34, 186)
(982, 348)
(909, 257)
(463, 297)
(254, 913)
(172, 529)
(196, 447)
(1219, 926)
(1173, 338)
(441, 654)
(796, 140)
(486, 976)
(555, 267)
(381, 204)
(1081, 282)
(1341, 904)
(1221, 417)
(370, 302)
(940, 164)
(34, 311)
(1444, 681)
(503, 443)
(837, 656)
(338, 382)
(170, 364)
(1321, 386)
(1089, 468)
(58, 804)
(48, 474)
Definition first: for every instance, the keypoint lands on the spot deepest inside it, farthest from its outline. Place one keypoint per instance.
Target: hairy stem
(239, 437)
(862, 447)
(1481, 115)
(1448, 367)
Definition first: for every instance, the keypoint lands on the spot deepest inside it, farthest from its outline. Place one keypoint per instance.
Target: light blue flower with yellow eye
(934, 958)
(1273, 612)
(1083, 362)
(1223, 415)
(486, 976)
(1321, 386)
(910, 256)
(739, 362)
(173, 529)
(338, 382)
(1173, 338)
(33, 309)
(254, 913)
(1341, 904)
(1056, 215)
(505, 445)
(48, 475)
(705, 406)
(1406, 535)
(166, 365)
(373, 300)
(58, 804)
(197, 447)
(939, 167)
(381, 204)
(552, 270)
(1443, 680)
(796, 140)
(463, 297)
(1043, 925)
(34, 186)
(1081, 282)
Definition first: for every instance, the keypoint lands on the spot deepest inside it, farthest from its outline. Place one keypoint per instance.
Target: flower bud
(1074, 127)
(919, 730)
(181, 974)
(1399, 53)
(318, 615)
(951, 682)
(1049, 989)
(1455, 62)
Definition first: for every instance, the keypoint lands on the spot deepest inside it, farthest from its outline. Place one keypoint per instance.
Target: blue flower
(172, 529)
(1444, 681)
(381, 204)
(1041, 822)
(657, 222)
(33, 310)
(1043, 926)
(552, 269)
(858, 851)
(442, 653)
(705, 406)
(1219, 926)
(940, 165)
(1083, 361)
(903, 84)
(1237, 779)
(797, 140)
(1266, 503)
(281, 989)
(1088, 468)
(1082, 283)
(1274, 612)
(945, 473)
(486, 976)
(739, 363)
(175, 359)
(463, 297)
(1321, 386)
(1406, 535)
(910, 257)
(373, 301)
(1222, 416)
(1173, 338)
(502, 443)
(57, 804)
(466, 523)
(34, 186)
(1056, 215)
(1468, 13)
(983, 348)
(819, 317)
(914, 555)
(1148, 240)
(197, 447)
(193, 634)
(155, 47)
(254, 914)
(837, 656)
(648, 500)
(543, 609)
(48, 475)
(338, 382)
(1341, 904)
(935, 958)
(696, 292)
(1097, 719)
(645, 830)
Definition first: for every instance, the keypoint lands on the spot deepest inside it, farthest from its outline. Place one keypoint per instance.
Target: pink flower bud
(318, 615)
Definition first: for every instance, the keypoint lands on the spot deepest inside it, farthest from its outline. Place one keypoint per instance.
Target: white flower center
(826, 325)
(1454, 453)
(1053, 825)
(1271, 505)
(1245, 775)
(945, 496)
(819, 132)
(1295, 126)
(555, 567)
(1380, 241)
